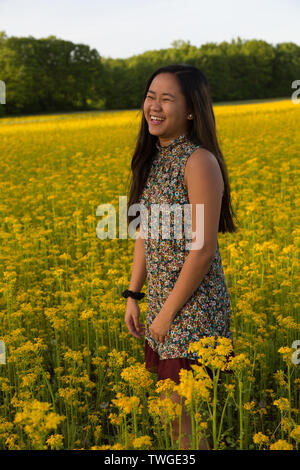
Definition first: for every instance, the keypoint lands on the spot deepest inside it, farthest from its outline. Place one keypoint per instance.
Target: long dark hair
(201, 131)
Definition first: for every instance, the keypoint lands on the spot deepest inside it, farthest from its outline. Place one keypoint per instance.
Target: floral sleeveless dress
(207, 312)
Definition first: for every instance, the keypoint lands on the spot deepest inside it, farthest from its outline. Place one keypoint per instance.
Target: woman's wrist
(134, 294)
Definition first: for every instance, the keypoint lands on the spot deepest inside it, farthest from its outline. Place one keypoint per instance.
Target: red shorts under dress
(169, 368)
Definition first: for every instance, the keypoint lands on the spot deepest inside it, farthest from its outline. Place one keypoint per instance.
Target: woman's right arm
(138, 277)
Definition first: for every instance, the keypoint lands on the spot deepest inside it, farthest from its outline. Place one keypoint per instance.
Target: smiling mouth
(156, 120)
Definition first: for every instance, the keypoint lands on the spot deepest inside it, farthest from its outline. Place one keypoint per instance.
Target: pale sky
(122, 28)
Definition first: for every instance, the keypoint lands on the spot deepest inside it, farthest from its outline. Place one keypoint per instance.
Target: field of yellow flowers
(74, 378)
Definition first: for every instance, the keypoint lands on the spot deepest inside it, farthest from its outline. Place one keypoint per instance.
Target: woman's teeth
(156, 120)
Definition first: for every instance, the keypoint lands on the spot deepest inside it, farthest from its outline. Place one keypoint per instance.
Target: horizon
(156, 50)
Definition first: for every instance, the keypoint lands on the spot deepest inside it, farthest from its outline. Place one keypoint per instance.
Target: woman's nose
(156, 105)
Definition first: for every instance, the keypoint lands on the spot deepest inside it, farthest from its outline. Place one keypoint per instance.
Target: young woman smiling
(177, 160)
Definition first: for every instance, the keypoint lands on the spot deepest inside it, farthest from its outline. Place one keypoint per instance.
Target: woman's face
(165, 100)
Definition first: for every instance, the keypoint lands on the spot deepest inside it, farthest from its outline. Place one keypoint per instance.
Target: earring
(190, 116)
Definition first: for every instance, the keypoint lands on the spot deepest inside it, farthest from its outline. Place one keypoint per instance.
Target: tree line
(54, 75)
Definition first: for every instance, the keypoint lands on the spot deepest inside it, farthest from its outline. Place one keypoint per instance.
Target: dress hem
(168, 368)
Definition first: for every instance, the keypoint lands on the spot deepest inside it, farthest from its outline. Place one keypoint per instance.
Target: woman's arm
(139, 273)
(137, 281)
(205, 186)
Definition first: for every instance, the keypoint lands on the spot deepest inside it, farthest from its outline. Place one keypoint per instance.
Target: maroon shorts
(168, 368)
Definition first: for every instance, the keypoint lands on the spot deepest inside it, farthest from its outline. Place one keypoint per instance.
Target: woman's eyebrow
(164, 94)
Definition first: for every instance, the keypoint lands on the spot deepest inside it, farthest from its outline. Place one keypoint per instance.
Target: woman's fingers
(136, 323)
(131, 325)
(159, 339)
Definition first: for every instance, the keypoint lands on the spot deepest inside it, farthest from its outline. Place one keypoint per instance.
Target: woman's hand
(132, 315)
(160, 327)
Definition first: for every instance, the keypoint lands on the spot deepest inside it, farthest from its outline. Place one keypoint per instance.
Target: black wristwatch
(134, 295)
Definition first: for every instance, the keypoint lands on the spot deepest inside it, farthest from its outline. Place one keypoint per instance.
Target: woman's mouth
(156, 120)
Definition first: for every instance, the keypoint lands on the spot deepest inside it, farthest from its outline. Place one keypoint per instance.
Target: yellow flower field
(74, 378)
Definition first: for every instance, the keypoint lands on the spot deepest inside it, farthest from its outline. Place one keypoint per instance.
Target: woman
(178, 161)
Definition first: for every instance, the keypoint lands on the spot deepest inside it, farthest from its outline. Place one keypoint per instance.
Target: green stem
(241, 413)
(290, 399)
(166, 437)
(134, 423)
(179, 425)
(222, 416)
(193, 424)
(125, 432)
(215, 399)
(171, 434)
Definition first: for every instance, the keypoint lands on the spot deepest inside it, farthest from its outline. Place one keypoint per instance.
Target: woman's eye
(149, 96)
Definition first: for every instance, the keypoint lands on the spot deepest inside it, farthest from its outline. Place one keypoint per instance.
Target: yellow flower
(142, 442)
(137, 376)
(74, 356)
(286, 424)
(202, 375)
(115, 419)
(165, 386)
(55, 441)
(97, 432)
(192, 389)
(199, 420)
(248, 406)
(239, 362)
(260, 438)
(52, 420)
(126, 404)
(286, 354)
(224, 346)
(36, 420)
(229, 388)
(86, 314)
(281, 444)
(282, 403)
(11, 442)
(29, 379)
(262, 411)
(213, 353)
(116, 358)
(117, 446)
(295, 433)
(280, 377)
(164, 408)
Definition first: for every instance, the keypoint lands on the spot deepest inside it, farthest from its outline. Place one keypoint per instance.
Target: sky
(123, 28)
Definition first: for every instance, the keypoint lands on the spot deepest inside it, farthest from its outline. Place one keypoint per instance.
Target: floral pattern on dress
(207, 311)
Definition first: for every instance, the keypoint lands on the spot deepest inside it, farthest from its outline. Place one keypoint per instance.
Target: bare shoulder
(204, 164)
(201, 159)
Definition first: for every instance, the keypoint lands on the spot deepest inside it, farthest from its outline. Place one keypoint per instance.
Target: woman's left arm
(205, 185)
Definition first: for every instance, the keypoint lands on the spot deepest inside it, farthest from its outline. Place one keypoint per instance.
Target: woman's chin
(156, 131)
